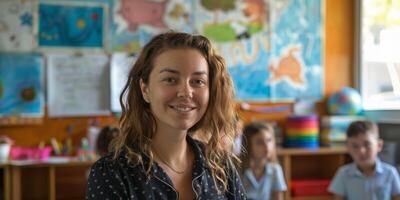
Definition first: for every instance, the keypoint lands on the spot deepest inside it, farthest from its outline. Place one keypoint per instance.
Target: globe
(346, 101)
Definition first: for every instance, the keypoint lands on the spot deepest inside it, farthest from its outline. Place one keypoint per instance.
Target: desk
(303, 164)
(46, 180)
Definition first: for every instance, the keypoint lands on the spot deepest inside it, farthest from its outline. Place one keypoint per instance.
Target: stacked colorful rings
(302, 131)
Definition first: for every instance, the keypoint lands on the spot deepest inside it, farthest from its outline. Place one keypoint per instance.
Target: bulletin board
(337, 48)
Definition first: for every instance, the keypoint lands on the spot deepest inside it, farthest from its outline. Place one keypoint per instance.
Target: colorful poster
(121, 64)
(241, 33)
(21, 79)
(295, 67)
(16, 31)
(133, 20)
(78, 85)
(72, 25)
(273, 48)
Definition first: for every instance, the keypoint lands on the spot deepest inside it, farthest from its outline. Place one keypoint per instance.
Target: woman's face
(178, 88)
(262, 145)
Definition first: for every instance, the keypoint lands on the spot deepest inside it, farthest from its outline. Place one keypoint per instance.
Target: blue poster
(71, 25)
(21, 91)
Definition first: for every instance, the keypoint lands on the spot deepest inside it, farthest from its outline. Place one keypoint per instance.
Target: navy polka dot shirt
(116, 179)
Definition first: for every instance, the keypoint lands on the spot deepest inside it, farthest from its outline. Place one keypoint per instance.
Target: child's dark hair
(106, 135)
(362, 127)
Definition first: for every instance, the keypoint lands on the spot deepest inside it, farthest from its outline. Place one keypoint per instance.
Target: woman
(178, 87)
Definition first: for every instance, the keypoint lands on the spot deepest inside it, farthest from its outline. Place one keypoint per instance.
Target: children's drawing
(16, 31)
(137, 12)
(133, 21)
(21, 78)
(71, 25)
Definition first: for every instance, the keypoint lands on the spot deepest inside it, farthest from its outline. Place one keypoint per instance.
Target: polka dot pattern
(116, 179)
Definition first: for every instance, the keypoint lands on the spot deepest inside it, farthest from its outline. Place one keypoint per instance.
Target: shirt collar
(378, 166)
(250, 176)
(356, 172)
(199, 163)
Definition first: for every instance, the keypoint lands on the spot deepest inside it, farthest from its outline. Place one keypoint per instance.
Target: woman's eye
(170, 80)
(198, 82)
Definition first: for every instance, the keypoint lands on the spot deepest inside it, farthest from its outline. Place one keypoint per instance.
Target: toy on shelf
(302, 131)
(346, 101)
(25, 153)
(333, 129)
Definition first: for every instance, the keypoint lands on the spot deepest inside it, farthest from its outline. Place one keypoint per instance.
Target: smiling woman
(177, 88)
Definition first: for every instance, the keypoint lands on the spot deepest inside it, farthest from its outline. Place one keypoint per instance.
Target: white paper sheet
(78, 85)
(121, 63)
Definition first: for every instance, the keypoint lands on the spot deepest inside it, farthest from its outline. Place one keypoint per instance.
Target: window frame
(378, 113)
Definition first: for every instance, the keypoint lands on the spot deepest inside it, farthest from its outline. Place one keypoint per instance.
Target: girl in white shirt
(262, 175)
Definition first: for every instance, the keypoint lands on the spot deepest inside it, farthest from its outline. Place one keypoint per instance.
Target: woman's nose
(185, 90)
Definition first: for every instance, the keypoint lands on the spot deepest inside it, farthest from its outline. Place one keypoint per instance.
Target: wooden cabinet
(311, 164)
(5, 182)
(45, 180)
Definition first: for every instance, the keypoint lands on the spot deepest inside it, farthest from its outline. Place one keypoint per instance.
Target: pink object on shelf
(303, 188)
(24, 153)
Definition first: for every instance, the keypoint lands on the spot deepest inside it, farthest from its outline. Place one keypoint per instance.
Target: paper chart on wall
(121, 63)
(16, 32)
(78, 86)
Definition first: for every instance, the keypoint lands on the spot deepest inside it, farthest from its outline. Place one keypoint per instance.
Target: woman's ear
(145, 91)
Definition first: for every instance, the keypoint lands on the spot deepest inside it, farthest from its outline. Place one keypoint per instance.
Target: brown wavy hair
(138, 124)
(249, 131)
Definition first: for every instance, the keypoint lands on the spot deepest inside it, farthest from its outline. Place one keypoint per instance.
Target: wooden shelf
(310, 164)
(63, 180)
(308, 152)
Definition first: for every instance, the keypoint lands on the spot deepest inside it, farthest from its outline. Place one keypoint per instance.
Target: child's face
(178, 89)
(364, 148)
(262, 145)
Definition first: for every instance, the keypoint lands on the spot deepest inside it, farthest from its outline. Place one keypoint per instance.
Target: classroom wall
(338, 63)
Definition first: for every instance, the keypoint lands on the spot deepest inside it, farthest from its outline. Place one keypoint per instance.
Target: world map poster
(273, 49)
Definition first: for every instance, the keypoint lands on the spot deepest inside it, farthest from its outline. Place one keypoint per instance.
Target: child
(106, 135)
(177, 87)
(367, 177)
(262, 175)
